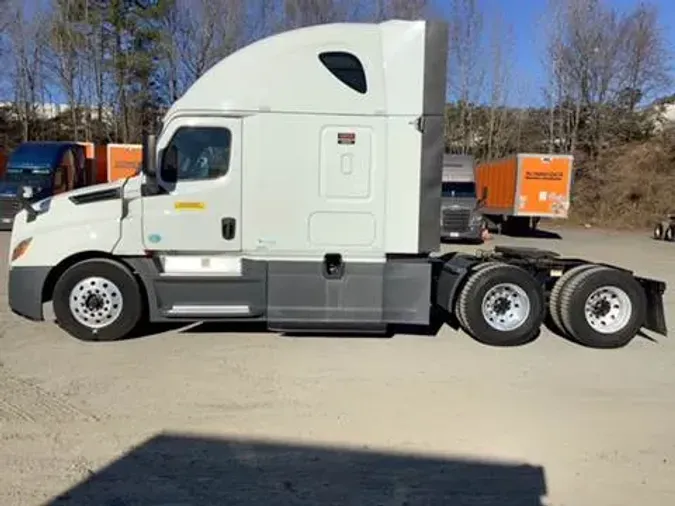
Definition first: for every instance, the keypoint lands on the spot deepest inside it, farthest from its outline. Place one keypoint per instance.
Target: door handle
(229, 228)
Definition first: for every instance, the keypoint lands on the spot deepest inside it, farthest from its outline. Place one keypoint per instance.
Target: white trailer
(298, 182)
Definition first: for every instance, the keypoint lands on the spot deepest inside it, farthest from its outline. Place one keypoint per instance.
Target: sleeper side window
(347, 68)
(196, 153)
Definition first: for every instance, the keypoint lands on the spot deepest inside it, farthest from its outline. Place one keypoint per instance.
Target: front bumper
(25, 291)
(472, 233)
(6, 223)
(9, 206)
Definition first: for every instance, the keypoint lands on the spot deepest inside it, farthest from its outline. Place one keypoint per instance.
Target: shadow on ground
(554, 329)
(438, 319)
(187, 470)
(537, 233)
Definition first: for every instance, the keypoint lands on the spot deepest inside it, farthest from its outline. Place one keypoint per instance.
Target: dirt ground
(208, 417)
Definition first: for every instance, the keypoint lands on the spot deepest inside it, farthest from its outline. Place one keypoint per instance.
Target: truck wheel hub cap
(505, 307)
(608, 309)
(95, 302)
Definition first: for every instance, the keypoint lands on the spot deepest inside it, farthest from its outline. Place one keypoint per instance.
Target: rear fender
(656, 315)
(450, 279)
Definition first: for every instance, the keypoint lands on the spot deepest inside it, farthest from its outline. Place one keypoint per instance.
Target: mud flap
(656, 315)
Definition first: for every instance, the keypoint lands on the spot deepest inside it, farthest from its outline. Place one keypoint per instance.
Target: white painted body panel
(167, 226)
(288, 208)
(296, 199)
(296, 192)
(66, 229)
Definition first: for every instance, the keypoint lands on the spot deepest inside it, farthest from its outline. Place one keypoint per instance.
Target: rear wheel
(669, 234)
(475, 268)
(603, 307)
(554, 296)
(658, 231)
(501, 305)
(98, 300)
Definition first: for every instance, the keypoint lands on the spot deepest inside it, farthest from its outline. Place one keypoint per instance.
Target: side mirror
(170, 164)
(149, 167)
(23, 194)
(26, 192)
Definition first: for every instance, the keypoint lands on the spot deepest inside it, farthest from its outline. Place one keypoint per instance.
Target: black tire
(475, 268)
(554, 310)
(119, 283)
(469, 305)
(658, 232)
(581, 287)
(669, 234)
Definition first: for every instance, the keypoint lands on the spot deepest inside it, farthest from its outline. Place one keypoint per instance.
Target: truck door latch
(229, 228)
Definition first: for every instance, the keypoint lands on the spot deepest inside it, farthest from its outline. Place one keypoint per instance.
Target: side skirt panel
(196, 296)
(294, 295)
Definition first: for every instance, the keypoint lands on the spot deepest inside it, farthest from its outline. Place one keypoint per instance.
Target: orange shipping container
(90, 161)
(526, 185)
(100, 164)
(123, 160)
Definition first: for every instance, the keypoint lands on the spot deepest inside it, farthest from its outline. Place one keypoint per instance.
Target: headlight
(21, 248)
(43, 205)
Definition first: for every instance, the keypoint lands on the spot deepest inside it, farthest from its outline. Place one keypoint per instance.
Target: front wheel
(501, 305)
(98, 300)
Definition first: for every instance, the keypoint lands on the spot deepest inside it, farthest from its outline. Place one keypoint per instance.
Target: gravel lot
(209, 417)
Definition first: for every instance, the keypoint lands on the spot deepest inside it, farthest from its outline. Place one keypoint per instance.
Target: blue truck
(46, 168)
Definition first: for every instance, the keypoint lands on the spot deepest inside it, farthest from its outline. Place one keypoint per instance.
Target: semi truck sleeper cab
(312, 211)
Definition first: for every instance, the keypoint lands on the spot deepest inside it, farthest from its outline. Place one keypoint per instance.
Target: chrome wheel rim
(95, 302)
(608, 309)
(505, 307)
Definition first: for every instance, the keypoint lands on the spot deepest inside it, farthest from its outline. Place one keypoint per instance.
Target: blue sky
(526, 16)
(527, 20)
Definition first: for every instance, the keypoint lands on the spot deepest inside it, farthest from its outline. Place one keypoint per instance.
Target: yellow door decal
(189, 205)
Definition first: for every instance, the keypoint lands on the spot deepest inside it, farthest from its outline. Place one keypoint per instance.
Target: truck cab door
(198, 205)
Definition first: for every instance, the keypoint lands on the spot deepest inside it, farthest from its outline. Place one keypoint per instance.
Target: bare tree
(297, 13)
(466, 72)
(195, 35)
(66, 46)
(601, 61)
(644, 56)
(407, 9)
(26, 47)
(501, 46)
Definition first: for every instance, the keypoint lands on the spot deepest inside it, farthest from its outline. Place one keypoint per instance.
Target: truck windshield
(466, 189)
(33, 177)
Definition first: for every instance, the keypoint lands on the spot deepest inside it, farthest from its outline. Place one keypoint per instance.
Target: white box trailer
(298, 182)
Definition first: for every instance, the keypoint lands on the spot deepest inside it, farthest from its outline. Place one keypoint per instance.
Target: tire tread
(568, 299)
(467, 301)
(133, 301)
(554, 306)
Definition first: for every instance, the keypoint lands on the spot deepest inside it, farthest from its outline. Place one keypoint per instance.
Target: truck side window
(198, 152)
(347, 68)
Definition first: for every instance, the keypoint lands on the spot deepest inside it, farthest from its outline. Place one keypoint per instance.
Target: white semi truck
(298, 182)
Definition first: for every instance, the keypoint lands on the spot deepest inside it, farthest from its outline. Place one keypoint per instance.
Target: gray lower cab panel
(295, 295)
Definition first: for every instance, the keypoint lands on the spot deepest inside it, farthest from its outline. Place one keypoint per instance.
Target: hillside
(632, 185)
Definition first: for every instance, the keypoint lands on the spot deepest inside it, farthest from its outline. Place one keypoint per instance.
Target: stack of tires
(665, 230)
(597, 306)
